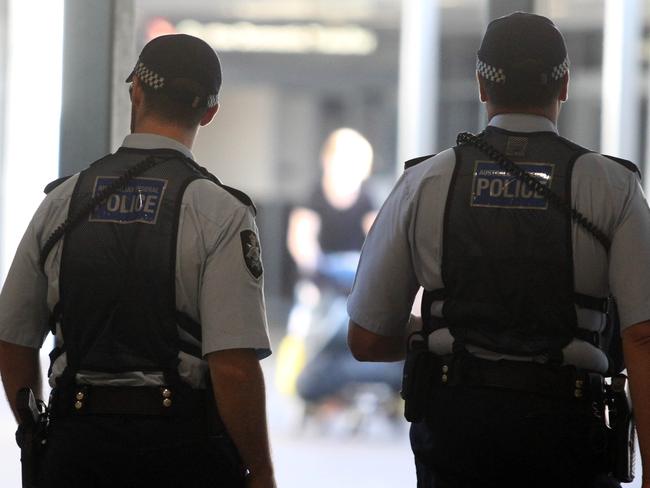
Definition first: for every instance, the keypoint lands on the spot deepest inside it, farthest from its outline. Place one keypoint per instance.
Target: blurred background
(398, 74)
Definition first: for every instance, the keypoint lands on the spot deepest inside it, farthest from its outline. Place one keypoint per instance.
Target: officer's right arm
(636, 347)
(24, 312)
(380, 303)
(19, 368)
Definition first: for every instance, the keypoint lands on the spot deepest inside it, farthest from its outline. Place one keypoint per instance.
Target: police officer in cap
(515, 318)
(153, 287)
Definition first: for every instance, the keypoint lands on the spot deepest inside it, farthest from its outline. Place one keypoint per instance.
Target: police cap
(168, 62)
(522, 48)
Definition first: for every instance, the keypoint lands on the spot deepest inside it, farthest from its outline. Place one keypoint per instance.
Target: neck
(551, 112)
(181, 134)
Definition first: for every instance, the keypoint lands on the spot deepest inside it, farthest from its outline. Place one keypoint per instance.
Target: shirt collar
(523, 123)
(155, 141)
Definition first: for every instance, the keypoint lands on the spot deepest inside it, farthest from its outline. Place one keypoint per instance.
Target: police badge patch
(138, 202)
(252, 253)
(492, 186)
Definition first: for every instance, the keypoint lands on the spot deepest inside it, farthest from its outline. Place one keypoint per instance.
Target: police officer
(153, 288)
(514, 288)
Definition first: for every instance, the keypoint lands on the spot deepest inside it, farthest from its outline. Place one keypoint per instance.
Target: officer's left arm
(369, 346)
(636, 346)
(629, 276)
(238, 385)
(235, 335)
(19, 368)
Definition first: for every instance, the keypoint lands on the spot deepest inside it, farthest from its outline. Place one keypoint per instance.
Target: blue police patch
(139, 201)
(492, 186)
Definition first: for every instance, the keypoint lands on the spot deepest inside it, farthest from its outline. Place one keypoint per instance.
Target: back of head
(523, 60)
(181, 77)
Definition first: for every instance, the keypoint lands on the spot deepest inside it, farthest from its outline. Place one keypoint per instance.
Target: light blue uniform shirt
(403, 250)
(213, 283)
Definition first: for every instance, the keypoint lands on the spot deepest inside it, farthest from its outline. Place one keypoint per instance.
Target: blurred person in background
(154, 291)
(339, 212)
(324, 238)
(504, 380)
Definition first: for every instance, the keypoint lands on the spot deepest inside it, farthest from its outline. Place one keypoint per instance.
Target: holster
(621, 433)
(31, 434)
(417, 378)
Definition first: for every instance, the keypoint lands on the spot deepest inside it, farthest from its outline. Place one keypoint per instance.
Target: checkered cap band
(490, 73)
(149, 77)
(156, 81)
(560, 70)
(213, 101)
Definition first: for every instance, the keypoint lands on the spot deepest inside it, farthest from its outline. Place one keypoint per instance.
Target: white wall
(35, 46)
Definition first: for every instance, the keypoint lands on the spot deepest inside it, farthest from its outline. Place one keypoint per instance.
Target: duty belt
(117, 400)
(555, 381)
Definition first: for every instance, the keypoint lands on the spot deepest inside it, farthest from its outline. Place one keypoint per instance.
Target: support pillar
(620, 89)
(98, 41)
(418, 79)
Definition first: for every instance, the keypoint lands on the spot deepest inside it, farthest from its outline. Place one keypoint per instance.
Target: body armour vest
(117, 279)
(507, 258)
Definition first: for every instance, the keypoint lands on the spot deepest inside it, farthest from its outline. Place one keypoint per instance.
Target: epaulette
(412, 162)
(241, 196)
(624, 162)
(53, 184)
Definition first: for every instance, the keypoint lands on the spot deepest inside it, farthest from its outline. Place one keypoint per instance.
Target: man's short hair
(523, 95)
(171, 110)
(523, 60)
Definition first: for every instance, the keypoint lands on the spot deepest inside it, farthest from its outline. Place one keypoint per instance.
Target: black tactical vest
(117, 278)
(507, 261)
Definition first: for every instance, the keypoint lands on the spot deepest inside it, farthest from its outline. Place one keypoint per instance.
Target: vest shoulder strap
(572, 145)
(53, 184)
(623, 162)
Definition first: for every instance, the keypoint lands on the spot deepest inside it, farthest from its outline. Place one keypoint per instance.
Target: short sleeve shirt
(403, 250)
(214, 284)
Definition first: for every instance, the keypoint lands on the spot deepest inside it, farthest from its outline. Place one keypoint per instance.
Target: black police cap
(166, 60)
(522, 47)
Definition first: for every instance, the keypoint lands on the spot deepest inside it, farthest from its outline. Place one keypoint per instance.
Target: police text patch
(252, 252)
(139, 201)
(492, 186)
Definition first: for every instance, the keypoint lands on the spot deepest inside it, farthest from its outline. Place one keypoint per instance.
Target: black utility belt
(131, 400)
(555, 381)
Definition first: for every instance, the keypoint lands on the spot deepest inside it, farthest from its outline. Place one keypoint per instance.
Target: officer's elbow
(360, 353)
(365, 345)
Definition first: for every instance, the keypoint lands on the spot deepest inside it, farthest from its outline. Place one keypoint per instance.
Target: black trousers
(484, 438)
(136, 451)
